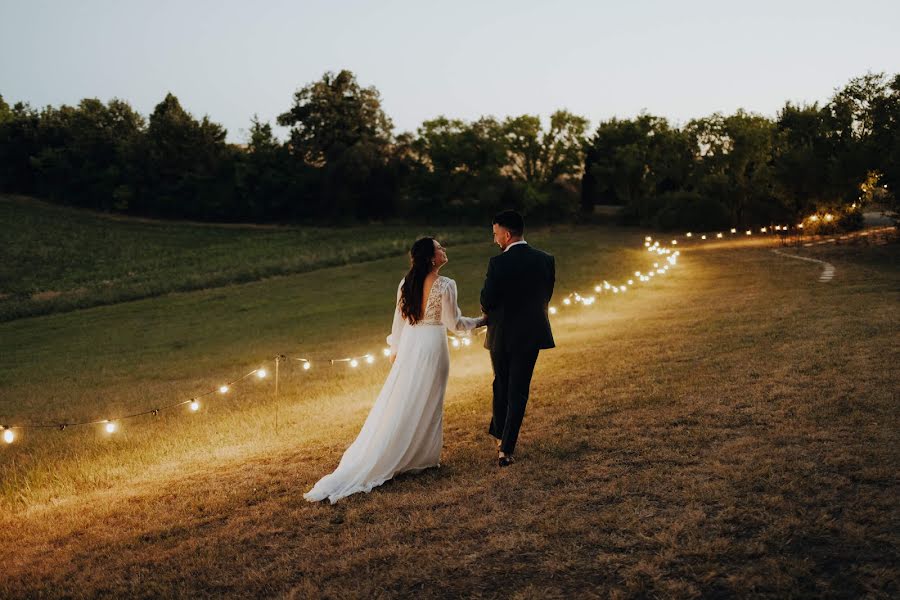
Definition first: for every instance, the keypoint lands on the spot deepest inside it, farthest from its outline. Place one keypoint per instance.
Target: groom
(517, 289)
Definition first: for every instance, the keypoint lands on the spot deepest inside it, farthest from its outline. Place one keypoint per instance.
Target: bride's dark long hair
(420, 256)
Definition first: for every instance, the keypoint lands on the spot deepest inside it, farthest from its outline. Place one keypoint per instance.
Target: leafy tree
(803, 158)
(457, 165)
(733, 165)
(884, 141)
(543, 157)
(339, 127)
(19, 142)
(333, 115)
(5, 111)
(632, 163)
(264, 179)
(188, 166)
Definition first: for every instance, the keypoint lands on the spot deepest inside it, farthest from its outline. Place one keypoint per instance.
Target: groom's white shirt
(515, 243)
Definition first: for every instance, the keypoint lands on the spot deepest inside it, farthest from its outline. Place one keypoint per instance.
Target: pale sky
(227, 59)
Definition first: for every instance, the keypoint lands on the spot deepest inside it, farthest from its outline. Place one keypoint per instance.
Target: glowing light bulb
(261, 373)
(631, 282)
(566, 301)
(597, 288)
(689, 234)
(749, 232)
(386, 351)
(467, 342)
(354, 363)
(637, 273)
(552, 310)
(370, 359)
(110, 427)
(307, 366)
(762, 230)
(615, 290)
(606, 285)
(646, 244)
(655, 265)
(814, 218)
(800, 226)
(674, 242)
(455, 343)
(648, 238)
(829, 217)
(195, 406)
(703, 237)
(623, 288)
(719, 235)
(778, 228)
(223, 389)
(8, 436)
(733, 230)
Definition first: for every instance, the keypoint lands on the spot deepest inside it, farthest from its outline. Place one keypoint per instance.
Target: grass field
(57, 259)
(730, 428)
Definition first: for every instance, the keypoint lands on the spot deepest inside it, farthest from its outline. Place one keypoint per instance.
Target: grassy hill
(730, 428)
(57, 259)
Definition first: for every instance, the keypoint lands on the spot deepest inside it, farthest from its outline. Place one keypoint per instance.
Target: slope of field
(55, 258)
(730, 428)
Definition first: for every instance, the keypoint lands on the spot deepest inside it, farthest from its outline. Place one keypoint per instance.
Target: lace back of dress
(433, 308)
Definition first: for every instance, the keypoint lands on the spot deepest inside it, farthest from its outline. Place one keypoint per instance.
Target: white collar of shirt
(515, 244)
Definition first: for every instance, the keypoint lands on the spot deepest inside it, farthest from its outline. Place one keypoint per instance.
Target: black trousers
(512, 378)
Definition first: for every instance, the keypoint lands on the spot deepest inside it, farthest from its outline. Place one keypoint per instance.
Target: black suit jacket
(517, 289)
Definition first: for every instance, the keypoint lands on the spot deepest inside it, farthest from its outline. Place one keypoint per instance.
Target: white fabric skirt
(404, 429)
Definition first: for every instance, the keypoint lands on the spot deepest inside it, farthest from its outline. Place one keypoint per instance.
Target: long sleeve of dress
(397, 327)
(451, 316)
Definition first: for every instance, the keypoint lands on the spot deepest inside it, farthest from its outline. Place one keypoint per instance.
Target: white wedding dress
(404, 429)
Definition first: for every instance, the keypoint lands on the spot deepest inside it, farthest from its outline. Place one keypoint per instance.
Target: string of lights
(112, 425)
(780, 231)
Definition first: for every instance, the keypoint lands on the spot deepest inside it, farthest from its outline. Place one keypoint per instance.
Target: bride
(403, 431)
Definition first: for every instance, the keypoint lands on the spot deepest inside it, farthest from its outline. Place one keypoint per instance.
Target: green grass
(57, 259)
(137, 355)
(728, 429)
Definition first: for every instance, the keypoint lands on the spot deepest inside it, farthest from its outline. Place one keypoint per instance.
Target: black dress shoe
(505, 461)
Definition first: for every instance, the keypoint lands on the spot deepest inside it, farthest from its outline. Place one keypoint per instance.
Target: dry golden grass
(730, 430)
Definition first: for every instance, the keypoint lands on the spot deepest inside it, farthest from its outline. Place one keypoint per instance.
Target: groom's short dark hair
(512, 221)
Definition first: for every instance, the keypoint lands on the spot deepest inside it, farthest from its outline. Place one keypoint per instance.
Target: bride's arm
(451, 316)
(393, 340)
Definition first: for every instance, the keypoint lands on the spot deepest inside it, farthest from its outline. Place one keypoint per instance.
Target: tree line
(342, 161)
